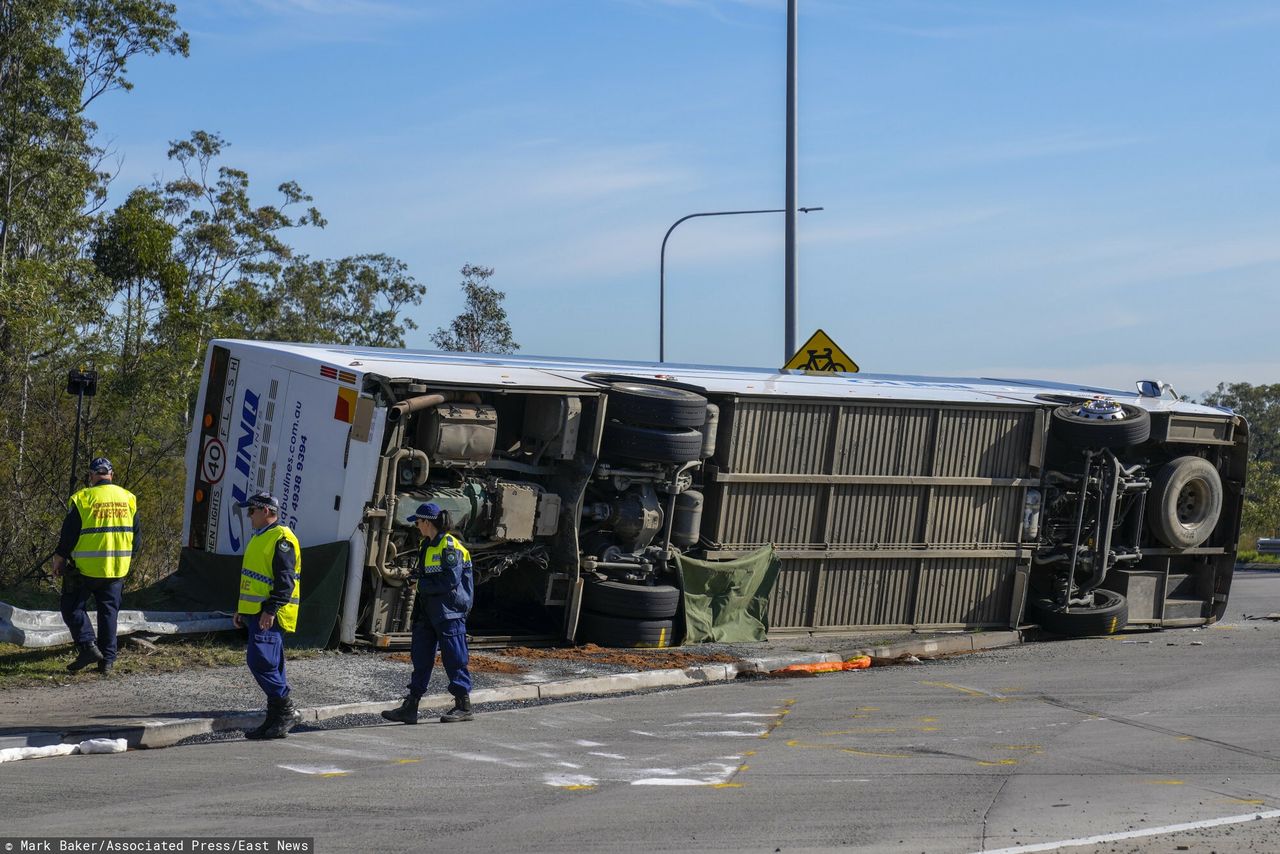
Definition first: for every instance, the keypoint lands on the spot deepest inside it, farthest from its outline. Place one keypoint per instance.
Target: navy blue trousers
(264, 653)
(76, 590)
(451, 638)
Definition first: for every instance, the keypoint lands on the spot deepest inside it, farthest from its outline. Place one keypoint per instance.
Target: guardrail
(1269, 546)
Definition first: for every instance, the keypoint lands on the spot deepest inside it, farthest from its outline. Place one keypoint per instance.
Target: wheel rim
(1192, 503)
(1101, 409)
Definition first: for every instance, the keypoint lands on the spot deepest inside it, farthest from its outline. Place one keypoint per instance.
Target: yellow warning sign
(821, 354)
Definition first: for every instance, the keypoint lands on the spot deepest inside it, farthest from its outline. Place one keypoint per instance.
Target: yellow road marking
(974, 692)
(1167, 782)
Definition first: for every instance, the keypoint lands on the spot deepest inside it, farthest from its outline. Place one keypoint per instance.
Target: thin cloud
(1030, 148)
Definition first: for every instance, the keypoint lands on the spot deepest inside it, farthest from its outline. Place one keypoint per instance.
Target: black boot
(104, 668)
(461, 710)
(260, 730)
(89, 654)
(407, 713)
(287, 717)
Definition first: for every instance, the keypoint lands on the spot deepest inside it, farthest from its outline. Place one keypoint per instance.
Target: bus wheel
(618, 599)
(1108, 615)
(1185, 502)
(605, 630)
(1101, 423)
(656, 405)
(651, 444)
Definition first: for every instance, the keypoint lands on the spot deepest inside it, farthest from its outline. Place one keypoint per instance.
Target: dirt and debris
(477, 663)
(635, 659)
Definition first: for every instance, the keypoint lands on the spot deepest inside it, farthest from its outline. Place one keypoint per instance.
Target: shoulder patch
(449, 557)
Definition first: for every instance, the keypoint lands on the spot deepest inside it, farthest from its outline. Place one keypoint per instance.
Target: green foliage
(137, 292)
(1260, 405)
(355, 301)
(482, 327)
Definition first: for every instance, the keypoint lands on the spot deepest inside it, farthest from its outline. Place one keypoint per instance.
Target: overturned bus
(890, 501)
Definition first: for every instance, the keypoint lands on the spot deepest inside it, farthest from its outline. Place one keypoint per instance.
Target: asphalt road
(1032, 746)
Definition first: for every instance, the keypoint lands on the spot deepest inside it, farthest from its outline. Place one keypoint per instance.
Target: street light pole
(662, 270)
(790, 311)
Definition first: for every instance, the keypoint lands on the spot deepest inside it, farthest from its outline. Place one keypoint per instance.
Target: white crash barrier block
(92, 745)
(104, 745)
(13, 754)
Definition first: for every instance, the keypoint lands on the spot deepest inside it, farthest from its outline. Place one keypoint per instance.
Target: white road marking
(1135, 834)
(606, 755)
(730, 715)
(314, 769)
(481, 757)
(563, 780)
(582, 742)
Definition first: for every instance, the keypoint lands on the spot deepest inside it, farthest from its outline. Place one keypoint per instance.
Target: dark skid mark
(1053, 701)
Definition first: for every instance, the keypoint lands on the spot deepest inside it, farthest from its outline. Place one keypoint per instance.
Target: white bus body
(892, 501)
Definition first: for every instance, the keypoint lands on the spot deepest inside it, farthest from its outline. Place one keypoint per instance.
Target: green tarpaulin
(211, 582)
(727, 601)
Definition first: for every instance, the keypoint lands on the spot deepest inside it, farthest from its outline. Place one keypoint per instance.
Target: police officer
(445, 593)
(268, 608)
(98, 537)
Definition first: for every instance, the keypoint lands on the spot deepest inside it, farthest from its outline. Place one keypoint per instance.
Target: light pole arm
(662, 268)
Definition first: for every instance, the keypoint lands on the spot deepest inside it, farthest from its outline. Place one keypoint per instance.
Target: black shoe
(89, 654)
(407, 713)
(287, 717)
(281, 717)
(104, 668)
(460, 712)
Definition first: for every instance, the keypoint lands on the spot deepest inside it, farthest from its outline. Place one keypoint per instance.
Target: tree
(482, 327)
(1261, 514)
(355, 300)
(56, 58)
(1260, 405)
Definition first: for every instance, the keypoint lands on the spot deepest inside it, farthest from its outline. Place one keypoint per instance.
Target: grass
(21, 667)
(1256, 558)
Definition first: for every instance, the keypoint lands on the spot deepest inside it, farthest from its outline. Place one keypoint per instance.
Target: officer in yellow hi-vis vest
(446, 589)
(99, 535)
(268, 608)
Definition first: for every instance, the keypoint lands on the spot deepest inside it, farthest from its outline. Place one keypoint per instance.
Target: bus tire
(656, 405)
(651, 444)
(606, 630)
(1108, 615)
(619, 599)
(1078, 431)
(1185, 502)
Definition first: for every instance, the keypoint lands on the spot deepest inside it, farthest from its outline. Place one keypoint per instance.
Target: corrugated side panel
(865, 593)
(884, 440)
(975, 516)
(976, 443)
(769, 438)
(877, 515)
(783, 513)
(789, 602)
(965, 592)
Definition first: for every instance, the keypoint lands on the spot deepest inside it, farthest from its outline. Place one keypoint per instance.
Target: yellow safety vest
(105, 546)
(257, 574)
(431, 554)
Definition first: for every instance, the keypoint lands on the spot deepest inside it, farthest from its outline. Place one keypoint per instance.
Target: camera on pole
(82, 384)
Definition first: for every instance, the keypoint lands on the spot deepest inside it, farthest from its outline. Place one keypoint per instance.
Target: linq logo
(243, 458)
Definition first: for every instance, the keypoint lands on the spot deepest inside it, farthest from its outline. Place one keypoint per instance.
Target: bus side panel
(884, 515)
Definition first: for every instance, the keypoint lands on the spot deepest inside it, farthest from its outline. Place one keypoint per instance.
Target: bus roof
(568, 374)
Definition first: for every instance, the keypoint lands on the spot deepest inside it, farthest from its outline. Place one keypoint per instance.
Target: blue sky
(1081, 191)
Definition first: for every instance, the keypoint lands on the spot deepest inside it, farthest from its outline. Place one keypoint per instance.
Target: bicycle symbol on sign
(822, 362)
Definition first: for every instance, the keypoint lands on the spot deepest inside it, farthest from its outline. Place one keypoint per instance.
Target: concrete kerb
(157, 733)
